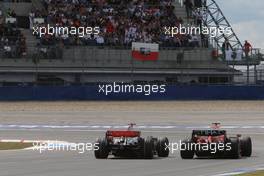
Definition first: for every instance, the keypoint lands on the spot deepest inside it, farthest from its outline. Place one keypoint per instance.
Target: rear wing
(208, 132)
(123, 133)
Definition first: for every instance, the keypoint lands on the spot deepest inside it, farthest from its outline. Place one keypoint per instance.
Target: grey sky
(247, 19)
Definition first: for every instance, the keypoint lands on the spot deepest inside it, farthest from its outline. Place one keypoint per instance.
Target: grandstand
(69, 59)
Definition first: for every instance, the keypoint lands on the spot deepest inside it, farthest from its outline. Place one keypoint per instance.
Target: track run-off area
(83, 122)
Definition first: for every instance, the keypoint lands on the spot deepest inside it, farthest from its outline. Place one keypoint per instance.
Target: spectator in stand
(198, 16)
(198, 3)
(65, 39)
(31, 19)
(189, 8)
(23, 46)
(194, 41)
(226, 46)
(11, 13)
(204, 40)
(247, 48)
(100, 40)
(1, 25)
(204, 3)
(7, 49)
(1, 20)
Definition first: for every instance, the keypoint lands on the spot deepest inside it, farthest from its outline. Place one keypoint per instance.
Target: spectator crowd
(121, 22)
(12, 41)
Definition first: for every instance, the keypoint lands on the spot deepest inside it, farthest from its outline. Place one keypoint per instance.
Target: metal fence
(73, 52)
(180, 61)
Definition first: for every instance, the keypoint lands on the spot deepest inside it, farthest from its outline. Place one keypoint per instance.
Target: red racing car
(215, 143)
(129, 143)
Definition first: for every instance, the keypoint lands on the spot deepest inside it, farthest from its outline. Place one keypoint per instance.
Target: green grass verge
(14, 145)
(258, 173)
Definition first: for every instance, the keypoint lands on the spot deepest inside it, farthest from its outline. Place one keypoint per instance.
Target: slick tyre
(235, 152)
(246, 147)
(163, 147)
(103, 151)
(148, 148)
(186, 152)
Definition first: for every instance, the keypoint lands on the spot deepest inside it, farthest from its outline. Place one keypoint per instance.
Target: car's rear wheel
(103, 151)
(235, 152)
(186, 150)
(141, 143)
(246, 147)
(148, 148)
(163, 147)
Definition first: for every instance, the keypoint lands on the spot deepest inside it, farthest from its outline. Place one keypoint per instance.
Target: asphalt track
(86, 126)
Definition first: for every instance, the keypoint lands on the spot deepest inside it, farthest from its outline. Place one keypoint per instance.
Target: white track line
(243, 171)
(24, 126)
(230, 174)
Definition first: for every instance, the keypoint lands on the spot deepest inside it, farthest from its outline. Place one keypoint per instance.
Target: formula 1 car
(129, 143)
(215, 143)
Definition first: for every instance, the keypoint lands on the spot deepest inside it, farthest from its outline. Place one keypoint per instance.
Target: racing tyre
(235, 148)
(103, 151)
(186, 151)
(246, 147)
(163, 147)
(148, 148)
(140, 153)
